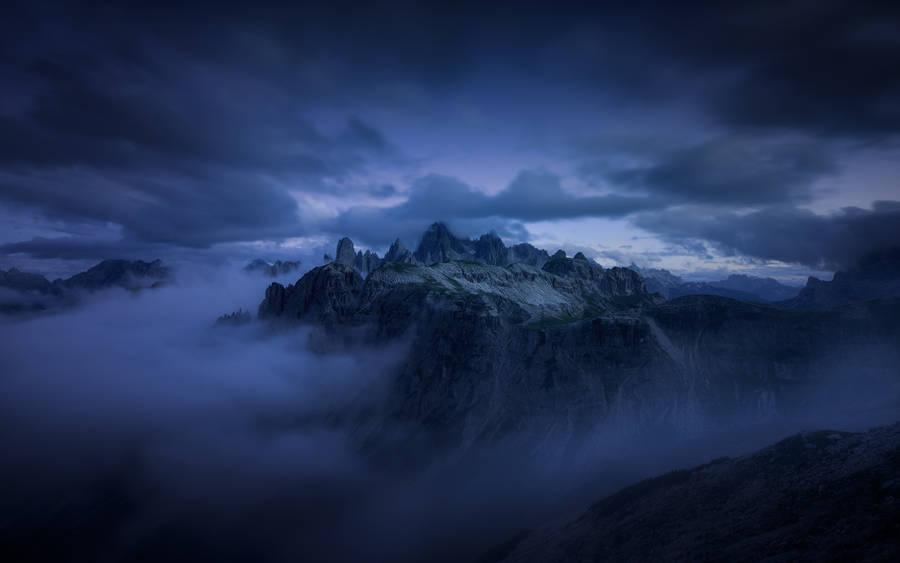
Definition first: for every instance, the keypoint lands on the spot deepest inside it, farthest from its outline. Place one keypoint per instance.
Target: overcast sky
(716, 136)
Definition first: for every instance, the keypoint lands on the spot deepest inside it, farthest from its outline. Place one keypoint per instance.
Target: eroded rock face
(815, 496)
(366, 262)
(345, 253)
(491, 250)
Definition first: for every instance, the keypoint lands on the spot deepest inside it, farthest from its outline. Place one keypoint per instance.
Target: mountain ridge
(814, 495)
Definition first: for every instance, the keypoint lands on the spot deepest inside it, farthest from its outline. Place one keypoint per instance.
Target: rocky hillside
(816, 496)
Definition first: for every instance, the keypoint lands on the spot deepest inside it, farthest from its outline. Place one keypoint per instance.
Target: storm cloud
(788, 234)
(733, 170)
(194, 126)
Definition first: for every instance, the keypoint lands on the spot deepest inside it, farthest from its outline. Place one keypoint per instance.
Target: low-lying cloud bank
(134, 427)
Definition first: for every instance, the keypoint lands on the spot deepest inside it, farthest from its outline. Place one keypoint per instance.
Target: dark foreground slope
(816, 496)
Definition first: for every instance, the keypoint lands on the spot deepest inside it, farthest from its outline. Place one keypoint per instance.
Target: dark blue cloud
(785, 233)
(735, 169)
(534, 195)
(196, 124)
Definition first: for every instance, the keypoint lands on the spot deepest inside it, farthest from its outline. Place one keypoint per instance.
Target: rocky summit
(567, 347)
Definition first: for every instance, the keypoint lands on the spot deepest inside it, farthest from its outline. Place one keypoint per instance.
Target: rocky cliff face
(439, 245)
(815, 496)
(490, 249)
(366, 262)
(326, 295)
(345, 253)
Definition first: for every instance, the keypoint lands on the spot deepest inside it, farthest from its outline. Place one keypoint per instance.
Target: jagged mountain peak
(398, 253)
(345, 253)
(438, 244)
(438, 228)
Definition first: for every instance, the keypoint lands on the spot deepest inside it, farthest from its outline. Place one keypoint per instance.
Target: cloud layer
(196, 126)
(788, 234)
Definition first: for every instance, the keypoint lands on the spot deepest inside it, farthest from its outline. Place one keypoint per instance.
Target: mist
(135, 428)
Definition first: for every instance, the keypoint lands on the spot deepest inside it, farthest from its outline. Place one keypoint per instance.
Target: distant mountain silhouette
(274, 269)
(736, 286)
(875, 276)
(27, 292)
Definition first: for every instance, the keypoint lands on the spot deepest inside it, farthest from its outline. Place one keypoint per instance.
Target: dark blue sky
(758, 137)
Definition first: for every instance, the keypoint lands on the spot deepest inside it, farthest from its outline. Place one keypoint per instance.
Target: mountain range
(555, 354)
(735, 286)
(553, 358)
(556, 347)
(28, 292)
